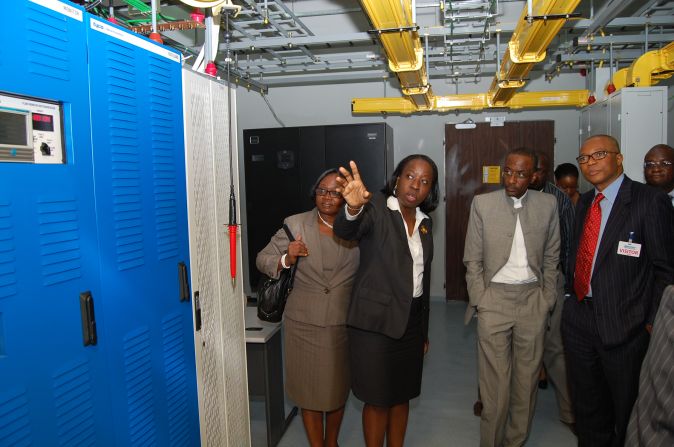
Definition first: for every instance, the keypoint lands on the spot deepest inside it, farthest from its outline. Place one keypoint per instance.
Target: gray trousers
(553, 357)
(511, 322)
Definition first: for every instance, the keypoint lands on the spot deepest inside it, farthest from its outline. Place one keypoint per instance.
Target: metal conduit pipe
(498, 52)
(154, 15)
(610, 59)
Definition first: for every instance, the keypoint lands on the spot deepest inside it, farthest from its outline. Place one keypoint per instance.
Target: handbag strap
(294, 267)
(290, 235)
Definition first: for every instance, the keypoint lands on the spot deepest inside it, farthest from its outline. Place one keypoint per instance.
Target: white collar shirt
(516, 270)
(414, 244)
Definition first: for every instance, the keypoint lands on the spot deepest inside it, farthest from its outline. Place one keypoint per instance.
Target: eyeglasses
(519, 174)
(657, 164)
(322, 192)
(599, 155)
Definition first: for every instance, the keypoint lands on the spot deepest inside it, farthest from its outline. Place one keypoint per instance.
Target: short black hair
(664, 147)
(608, 137)
(312, 191)
(566, 169)
(433, 197)
(525, 151)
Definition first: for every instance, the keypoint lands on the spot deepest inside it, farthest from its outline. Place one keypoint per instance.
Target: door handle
(197, 312)
(89, 336)
(183, 282)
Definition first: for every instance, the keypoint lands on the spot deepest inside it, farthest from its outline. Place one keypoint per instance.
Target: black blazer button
(326, 290)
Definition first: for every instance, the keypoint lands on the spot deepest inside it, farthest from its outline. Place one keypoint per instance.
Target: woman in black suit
(388, 314)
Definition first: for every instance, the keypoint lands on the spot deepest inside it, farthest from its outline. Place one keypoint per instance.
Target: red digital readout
(42, 118)
(43, 122)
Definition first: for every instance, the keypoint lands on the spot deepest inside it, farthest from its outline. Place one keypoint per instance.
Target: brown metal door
(467, 151)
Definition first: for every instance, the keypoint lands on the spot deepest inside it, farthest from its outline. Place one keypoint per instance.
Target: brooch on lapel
(423, 229)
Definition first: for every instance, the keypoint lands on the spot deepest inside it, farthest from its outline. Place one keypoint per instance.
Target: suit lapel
(615, 222)
(406, 264)
(506, 224)
(526, 217)
(581, 213)
(399, 227)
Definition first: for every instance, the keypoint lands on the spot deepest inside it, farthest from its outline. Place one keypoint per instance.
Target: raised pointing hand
(352, 187)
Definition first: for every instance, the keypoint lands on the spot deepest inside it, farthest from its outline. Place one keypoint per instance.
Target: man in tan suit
(511, 256)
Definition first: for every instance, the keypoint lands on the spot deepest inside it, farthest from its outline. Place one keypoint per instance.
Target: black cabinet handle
(89, 336)
(197, 312)
(183, 282)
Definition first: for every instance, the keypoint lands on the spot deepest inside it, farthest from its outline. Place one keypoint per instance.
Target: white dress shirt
(413, 242)
(516, 270)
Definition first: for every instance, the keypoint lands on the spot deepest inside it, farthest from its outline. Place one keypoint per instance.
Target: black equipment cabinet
(281, 165)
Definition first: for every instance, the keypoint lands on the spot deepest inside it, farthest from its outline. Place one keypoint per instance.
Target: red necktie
(586, 249)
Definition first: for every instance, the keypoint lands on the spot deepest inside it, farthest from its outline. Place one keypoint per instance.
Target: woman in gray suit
(316, 348)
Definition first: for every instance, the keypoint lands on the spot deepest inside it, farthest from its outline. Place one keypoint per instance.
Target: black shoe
(543, 384)
(477, 408)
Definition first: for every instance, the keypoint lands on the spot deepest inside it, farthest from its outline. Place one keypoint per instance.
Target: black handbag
(273, 293)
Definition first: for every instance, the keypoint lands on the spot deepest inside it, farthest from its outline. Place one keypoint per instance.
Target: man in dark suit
(553, 350)
(622, 258)
(652, 420)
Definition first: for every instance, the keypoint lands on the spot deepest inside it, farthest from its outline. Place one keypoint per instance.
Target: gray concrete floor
(443, 415)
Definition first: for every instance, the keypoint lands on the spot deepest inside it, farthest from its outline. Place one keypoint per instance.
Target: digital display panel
(13, 130)
(43, 122)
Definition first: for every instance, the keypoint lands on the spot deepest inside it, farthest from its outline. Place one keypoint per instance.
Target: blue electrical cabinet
(96, 338)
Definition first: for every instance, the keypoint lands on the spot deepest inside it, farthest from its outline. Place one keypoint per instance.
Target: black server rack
(281, 165)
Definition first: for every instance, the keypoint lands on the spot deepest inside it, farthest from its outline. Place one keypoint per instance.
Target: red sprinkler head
(156, 37)
(197, 15)
(211, 69)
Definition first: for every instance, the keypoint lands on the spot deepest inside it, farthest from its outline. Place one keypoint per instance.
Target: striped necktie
(586, 249)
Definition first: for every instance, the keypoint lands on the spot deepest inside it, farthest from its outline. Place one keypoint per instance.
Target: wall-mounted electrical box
(31, 130)
(636, 117)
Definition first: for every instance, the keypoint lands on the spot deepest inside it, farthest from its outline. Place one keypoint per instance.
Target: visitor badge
(629, 249)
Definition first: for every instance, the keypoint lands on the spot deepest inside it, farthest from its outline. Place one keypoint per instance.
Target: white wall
(331, 104)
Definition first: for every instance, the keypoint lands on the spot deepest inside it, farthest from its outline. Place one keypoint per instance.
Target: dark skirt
(386, 371)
